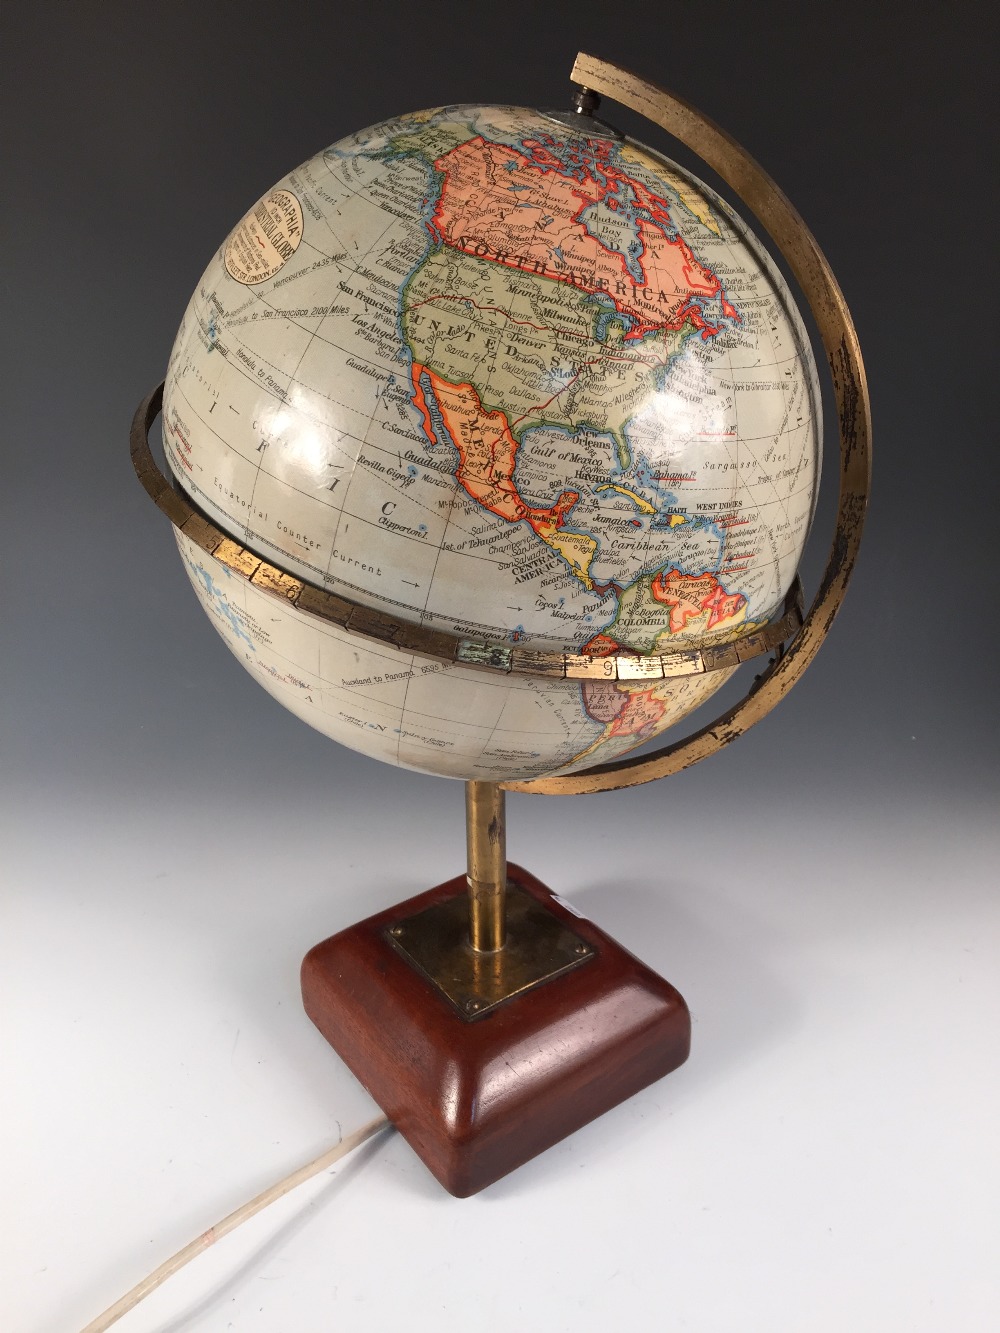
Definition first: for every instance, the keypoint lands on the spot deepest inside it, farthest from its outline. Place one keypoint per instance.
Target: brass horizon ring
(384, 628)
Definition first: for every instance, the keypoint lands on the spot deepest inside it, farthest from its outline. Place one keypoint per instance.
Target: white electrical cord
(142, 1289)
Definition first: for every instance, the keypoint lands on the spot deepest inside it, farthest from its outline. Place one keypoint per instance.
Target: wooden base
(477, 1099)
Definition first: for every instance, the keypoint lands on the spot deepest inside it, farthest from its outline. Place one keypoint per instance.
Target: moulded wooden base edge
(477, 1099)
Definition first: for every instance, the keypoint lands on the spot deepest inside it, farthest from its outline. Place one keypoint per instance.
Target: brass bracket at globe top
(582, 120)
(836, 330)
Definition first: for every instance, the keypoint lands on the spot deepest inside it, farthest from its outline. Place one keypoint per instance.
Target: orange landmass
(625, 710)
(498, 204)
(602, 645)
(641, 715)
(691, 595)
(487, 454)
(723, 605)
(603, 701)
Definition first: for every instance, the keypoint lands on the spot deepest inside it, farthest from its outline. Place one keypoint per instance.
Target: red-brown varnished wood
(477, 1099)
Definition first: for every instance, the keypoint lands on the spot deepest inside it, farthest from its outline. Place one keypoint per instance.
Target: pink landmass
(526, 213)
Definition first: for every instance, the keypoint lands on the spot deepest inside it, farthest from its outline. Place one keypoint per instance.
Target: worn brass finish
(840, 341)
(386, 628)
(539, 947)
(486, 843)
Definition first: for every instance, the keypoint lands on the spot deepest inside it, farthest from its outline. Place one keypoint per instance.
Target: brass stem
(486, 839)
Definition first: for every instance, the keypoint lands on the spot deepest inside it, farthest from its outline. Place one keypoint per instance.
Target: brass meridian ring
(385, 628)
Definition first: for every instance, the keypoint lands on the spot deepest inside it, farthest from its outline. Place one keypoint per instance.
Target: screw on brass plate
(473, 1006)
(397, 931)
(581, 947)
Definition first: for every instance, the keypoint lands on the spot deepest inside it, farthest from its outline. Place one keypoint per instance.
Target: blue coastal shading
(220, 602)
(628, 211)
(389, 153)
(647, 478)
(609, 314)
(641, 474)
(573, 160)
(573, 157)
(571, 437)
(441, 434)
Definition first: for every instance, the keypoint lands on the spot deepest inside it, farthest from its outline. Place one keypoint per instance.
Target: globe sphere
(514, 380)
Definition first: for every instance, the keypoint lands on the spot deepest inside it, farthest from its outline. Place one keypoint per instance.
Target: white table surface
(826, 1160)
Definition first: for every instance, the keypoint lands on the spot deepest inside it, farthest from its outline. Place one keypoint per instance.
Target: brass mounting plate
(539, 947)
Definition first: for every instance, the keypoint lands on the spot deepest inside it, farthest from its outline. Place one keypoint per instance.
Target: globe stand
(486, 1018)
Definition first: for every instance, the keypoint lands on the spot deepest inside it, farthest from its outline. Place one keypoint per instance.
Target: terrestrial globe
(493, 378)
(494, 440)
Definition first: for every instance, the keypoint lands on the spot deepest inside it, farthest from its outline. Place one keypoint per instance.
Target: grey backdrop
(139, 133)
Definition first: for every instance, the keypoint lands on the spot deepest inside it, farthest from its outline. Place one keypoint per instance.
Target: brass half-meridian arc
(390, 629)
(836, 330)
